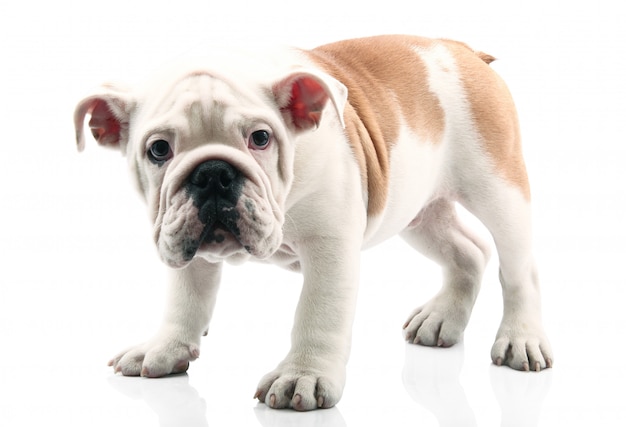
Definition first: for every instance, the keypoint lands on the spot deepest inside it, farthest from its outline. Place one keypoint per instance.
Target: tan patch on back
(387, 84)
(494, 113)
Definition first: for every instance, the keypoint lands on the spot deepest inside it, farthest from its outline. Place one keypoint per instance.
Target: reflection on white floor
(431, 377)
(520, 395)
(172, 399)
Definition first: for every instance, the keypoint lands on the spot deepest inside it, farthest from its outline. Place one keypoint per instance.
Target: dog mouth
(217, 214)
(214, 234)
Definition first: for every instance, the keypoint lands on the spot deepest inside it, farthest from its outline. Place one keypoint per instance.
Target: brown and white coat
(321, 153)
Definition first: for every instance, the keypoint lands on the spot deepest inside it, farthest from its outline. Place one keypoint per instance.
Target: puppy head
(212, 155)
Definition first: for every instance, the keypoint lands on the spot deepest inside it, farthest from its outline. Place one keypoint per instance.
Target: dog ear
(109, 109)
(303, 95)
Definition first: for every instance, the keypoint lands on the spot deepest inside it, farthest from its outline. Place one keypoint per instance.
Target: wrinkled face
(213, 158)
(215, 165)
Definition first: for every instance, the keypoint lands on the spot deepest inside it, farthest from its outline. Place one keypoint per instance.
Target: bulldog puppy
(304, 157)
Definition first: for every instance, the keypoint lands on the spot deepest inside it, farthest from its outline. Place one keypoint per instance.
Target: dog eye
(160, 152)
(259, 140)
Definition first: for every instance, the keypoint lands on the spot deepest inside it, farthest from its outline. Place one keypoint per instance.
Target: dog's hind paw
(439, 323)
(526, 349)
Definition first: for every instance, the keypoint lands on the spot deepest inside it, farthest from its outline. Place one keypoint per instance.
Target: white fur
(307, 191)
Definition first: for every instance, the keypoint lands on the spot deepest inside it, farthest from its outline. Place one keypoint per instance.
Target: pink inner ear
(308, 98)
(105, 127)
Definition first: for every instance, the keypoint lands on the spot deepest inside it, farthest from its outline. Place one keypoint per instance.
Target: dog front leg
(313, 373)
(191, 299)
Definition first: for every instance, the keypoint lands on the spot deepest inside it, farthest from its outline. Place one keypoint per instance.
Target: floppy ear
(303, 95)
(109, 109)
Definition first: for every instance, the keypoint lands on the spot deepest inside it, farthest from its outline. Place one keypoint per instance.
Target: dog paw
(298, 389)
(440, 322)
(523, 348)
(155, 358)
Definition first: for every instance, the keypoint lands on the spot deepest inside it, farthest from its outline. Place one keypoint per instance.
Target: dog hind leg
(520, 342)
(439, 235)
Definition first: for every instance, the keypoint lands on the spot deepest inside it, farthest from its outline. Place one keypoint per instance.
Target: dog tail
(485, 57)
(488, 59)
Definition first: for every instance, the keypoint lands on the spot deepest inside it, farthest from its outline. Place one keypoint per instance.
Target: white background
(81, 279)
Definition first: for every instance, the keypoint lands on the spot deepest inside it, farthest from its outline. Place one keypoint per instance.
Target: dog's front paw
(301, 389)
(523, 347)
(156, 358)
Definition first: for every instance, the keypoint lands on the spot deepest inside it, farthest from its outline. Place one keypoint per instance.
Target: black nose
(216, 183)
